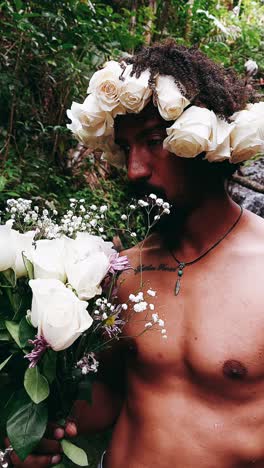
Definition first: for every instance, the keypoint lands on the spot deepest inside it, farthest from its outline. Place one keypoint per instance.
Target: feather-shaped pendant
(177, 286)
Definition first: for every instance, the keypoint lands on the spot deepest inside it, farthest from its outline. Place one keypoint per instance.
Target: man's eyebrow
(146, 131)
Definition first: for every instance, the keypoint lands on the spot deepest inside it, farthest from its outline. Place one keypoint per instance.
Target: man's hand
(49, 449)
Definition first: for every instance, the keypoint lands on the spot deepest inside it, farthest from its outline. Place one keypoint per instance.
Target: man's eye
(155, 142)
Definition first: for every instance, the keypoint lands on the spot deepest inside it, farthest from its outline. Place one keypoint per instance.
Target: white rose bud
(105, 85)
(89, 120)
(222, 150)
(48, 259)
(135, 92)
(193, 133)
(171, 102)
(87, 262)
(7, 248)
(23, 244)
(57, 313)
(247, 137)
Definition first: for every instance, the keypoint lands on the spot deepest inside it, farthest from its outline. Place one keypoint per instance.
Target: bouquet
(58, 310)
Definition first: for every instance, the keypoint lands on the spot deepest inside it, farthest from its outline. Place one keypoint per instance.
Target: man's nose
(138, 165)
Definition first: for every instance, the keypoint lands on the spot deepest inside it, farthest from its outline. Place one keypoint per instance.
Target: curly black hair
(201, 80)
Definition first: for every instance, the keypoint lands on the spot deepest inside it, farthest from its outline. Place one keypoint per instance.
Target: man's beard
(169, 226)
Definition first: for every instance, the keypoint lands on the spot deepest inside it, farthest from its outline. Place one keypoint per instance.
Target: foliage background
(48, 51)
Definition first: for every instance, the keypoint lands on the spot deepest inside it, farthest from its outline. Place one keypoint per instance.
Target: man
(195, 399)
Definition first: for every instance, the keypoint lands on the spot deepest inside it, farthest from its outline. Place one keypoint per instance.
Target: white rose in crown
(89, 120)
(171, 102)
(247, 137)
(105, 86)
(7, 248)
(87, 261)
(135, 92)
(192, 133)
(48, 259)
(222, 150)
(57, 313)
(23, 246)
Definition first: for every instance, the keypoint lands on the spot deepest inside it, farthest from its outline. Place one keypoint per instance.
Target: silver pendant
(5, 457)
(177, 287)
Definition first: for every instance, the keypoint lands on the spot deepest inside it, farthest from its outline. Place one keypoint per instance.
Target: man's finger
(53, 430)
(33, 461)
(48, 446)
(71, 429)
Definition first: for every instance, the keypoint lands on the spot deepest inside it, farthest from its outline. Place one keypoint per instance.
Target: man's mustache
(141, 189)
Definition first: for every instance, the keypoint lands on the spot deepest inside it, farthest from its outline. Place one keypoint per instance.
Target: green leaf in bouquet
(4, 336)
(29, 266)
(74, 453)
(13, 329)
(60, 465)
(36, 385)
(2, 365)
(26, 425)
(25, 332)
(49, 364)
(8, 279)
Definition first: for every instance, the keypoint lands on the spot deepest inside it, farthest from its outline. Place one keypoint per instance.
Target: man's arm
(107, 399)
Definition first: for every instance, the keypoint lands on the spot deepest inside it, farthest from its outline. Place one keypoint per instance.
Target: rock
(249, 199)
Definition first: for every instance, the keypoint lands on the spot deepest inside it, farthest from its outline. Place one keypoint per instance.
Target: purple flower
(88, 364)
(118, 263)
(39, 347)
(113, 324)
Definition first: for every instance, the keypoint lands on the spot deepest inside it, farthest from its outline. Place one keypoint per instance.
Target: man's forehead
(148, 118)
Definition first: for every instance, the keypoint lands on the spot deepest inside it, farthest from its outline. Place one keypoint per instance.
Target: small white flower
(151, 306)
(140, 306)
(165, 205)
(124, 306)
(152, 293)
(132, 207)
(166, 211)
(156, 218)
(148, 325)
(164, 336)
(103, 208)
(124, 217)
(155, 317)
(96, 312)
(132, 297)
(142, 203)
(104, 316)
(159, 202)
(161, 323)
(163, 331)
(93, 207)
(133, 234)
(153, 196)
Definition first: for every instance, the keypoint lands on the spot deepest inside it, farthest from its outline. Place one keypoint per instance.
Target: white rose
(222, 150)
(89, 120)
(135, 92)
(48, 259)
(57, 313)
(105, 85)
(247, 137)
(87, 262)
(23, 244)
(171, 102)
(192, 133)
(7, 248)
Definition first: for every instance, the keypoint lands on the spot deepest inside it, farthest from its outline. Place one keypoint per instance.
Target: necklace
(182, 265)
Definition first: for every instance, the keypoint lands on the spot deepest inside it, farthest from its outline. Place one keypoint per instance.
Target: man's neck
(201, 227)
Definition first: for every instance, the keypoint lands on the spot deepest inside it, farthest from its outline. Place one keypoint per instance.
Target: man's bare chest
(215, 326)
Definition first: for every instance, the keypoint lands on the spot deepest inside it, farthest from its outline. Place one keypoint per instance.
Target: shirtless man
(195, 399)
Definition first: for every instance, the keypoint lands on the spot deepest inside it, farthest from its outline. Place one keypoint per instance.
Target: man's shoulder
(254, 224)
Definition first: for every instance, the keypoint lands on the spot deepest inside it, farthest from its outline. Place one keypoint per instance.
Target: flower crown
(114, 90)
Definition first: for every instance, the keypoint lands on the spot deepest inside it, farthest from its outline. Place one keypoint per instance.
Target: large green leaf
(74, 453)
(36, 385)
(49, 364)
(29, 266)
(13, 329)
(26, 426)
(25, 332)
(2, 365)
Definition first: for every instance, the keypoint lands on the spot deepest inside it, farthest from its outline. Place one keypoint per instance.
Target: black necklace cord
(182, 265)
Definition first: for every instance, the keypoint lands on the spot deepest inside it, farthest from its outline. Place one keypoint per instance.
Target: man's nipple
(234, 370)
